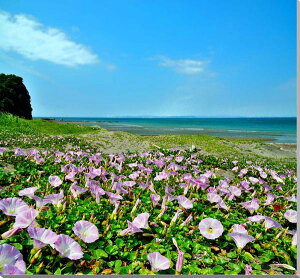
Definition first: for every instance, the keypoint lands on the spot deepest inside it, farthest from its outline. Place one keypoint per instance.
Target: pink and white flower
(42, 236)
(184, 202)
(55, 181)
(13, 206)
(26, 218)
(291, 215)
(68, 247)
(87, 231)
(241, 239)
(29, 192)
(211, 228)
(158, 262)
(11, 260)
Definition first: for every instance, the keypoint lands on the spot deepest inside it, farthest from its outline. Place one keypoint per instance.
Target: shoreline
(233, 138)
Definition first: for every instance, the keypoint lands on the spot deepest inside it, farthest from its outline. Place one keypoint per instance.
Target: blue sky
(156, 58)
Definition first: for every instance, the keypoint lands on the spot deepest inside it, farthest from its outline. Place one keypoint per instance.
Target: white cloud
(26, 36)
(187, 66)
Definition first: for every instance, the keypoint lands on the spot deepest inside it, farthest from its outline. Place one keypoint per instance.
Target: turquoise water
(281, 129)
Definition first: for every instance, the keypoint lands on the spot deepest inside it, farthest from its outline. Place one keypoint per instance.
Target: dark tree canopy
(14, 97)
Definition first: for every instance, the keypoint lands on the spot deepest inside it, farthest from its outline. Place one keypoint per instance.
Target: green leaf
(99, 253)
(218, 269)
(231, 255)
(57, 271)
(247, 257)
(112, 250)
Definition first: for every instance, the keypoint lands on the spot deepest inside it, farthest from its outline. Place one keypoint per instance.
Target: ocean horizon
(273, 129)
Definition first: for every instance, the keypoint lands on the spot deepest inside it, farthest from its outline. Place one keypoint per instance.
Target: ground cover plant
(67, 208)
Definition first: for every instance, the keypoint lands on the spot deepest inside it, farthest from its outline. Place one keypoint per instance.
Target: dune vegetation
(83, 200)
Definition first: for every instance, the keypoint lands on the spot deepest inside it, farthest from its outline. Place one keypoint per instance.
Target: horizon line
(162, 117)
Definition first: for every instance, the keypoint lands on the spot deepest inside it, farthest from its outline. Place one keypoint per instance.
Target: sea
(277, 130)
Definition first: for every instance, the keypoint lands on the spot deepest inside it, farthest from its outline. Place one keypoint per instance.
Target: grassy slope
(121, 141)
(38, 126)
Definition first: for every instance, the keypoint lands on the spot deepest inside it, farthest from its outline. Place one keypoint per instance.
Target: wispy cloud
(26, 36)
(186, 66)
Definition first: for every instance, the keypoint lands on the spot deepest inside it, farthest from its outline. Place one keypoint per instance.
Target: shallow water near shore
(279, 130)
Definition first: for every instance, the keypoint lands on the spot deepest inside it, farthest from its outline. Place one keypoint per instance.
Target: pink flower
(87, 231)
(114, 197)
(12, 206)
(241, 239)
(41, 236)
(132, 229)
(239, 229)
(29, 192)
(68, 247)
(77, 190)
(291, 215)
(155, 199)
(186, 221)
(55, 199)
(211, 228)
(40, 202)
(235, 191)
(251, 205)
(25, 218)
(11, 260)
(248, 269)
(213, 197)
(158, 262)
(271, 223)
(11, 233)
(184, 202)
(141, 221)
(55, 181)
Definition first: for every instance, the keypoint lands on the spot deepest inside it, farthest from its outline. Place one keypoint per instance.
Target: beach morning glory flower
(12, 206)
(185, 202)
(87, 231)
(271, 223)
(155, 198)
(213, 197)
(55, 181)
(237, 228)
(132, 229)
(40, 202)
(141, 221)
(68, 247)
(114, 197)
(294, 239)
(11, 233)
(180, 257)
(186, 221)
(41, 236)
(256, 218)
(25, 218)
(158, 262)
(77, 190)
(55, 199)
(291, 215)
(270, 198)
(10, 259)
(241, 239)
(235, 191)
(29, 192)
(251, 205)
(97, 191)
(211, 228)
(248, 269)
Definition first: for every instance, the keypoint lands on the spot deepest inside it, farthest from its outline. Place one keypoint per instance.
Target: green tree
(14, 97)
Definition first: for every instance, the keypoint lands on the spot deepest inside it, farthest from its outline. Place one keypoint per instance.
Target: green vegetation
(14, 97)
(40, 133)
(9, 122)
